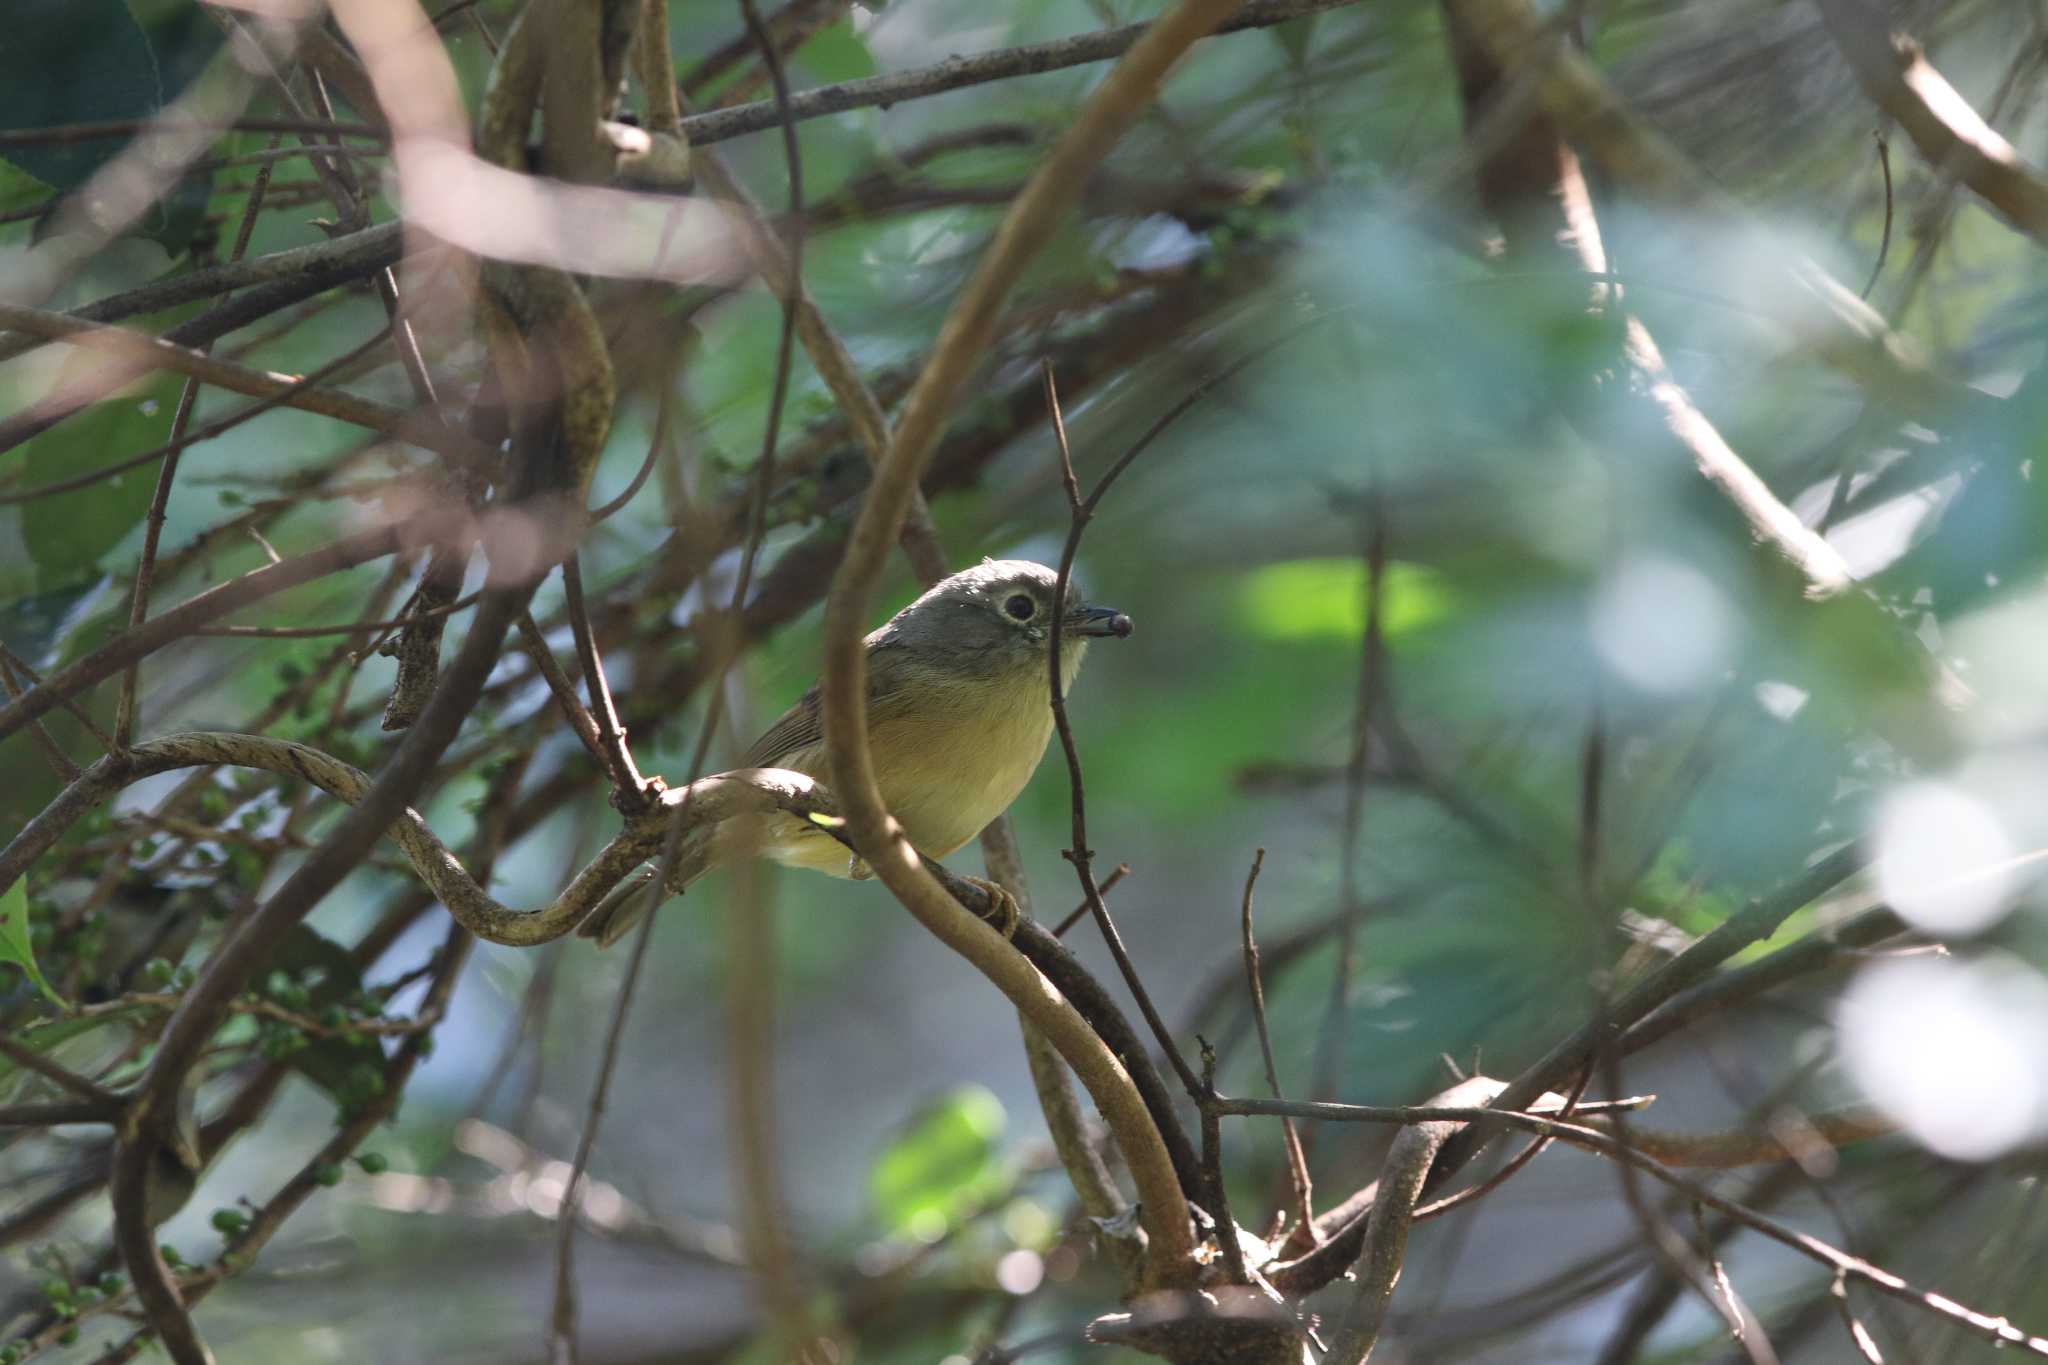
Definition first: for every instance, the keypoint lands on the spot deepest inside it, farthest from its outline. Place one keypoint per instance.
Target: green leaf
(835, 53)
(1309, 599)
(14, 940)
(89, 61)
(68, 533)
(943, 1166)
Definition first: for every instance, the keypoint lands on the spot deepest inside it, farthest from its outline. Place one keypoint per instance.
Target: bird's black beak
(1099, 621)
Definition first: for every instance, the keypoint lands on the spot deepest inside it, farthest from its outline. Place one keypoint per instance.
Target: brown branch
(1824, 948)
(31, 1059)
(53, 752)
(1401, 1179)
(139, 354)
(191, 438)
(1227, 1242)
(1895, 73)
(1842, 331)
(958, 72)
(1754, 922)
(339, 628)
(630, 791)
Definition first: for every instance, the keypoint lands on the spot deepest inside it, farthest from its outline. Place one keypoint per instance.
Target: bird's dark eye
(1020, 607)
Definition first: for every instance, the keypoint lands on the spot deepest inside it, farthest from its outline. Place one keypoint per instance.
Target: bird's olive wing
(803, 725)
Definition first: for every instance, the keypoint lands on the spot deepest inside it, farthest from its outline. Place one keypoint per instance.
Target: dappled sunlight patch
(1956, 1051)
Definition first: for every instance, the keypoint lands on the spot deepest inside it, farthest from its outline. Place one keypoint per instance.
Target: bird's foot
(1003, 913)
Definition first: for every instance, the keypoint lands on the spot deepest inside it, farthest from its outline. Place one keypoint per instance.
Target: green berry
(229, 1221)
(327, 1173)
(158, 971)
(69, 1337)
(171, 1256)
(112, 1283)
(56, 1291)
(373, 1163)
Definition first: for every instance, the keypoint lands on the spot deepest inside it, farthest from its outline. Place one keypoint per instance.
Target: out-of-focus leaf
(943, 1165)
(1303, 599)
(15, 946)
(66, 534)
(836, 53)
(89, 61)
(36, 624)
(1294, 37)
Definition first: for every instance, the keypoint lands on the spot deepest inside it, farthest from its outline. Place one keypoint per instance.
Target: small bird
(959, 714)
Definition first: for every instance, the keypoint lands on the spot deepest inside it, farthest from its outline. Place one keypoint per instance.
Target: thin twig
(1884, 242)
(191, 438)
(159, 502)
(1117, 874)
(339, 628)
(1297, 1160)
(630, 791)
(1080, 855)
(1212, 1170)
(1371, 670)
(32, 1059)
(959, 72)
(52, 751)
(562, 1317)
(84, 717)
(137, 353)
(534, 641)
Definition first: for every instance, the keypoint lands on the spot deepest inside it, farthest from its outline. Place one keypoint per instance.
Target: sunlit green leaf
(15, 946)
(1304, 599)
(943, 1165)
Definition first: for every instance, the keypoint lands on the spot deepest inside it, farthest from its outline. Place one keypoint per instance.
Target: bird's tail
(633, 899)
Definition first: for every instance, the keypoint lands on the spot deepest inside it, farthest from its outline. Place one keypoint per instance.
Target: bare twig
(1898, 78)
(340, 628)
(533, 640)
(1884, 241)
(1386, 1239)
(630, 791)
(191, 438)
(1080, 855)
(958, 72)
(29, 1058)
(53, 752)
(153, 520)
(1212, 1170)
(1074, 916)
(1297, 1160)
(562, 1317)
(136, 354)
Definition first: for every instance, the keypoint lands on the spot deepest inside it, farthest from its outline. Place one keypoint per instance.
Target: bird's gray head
(996, 619)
